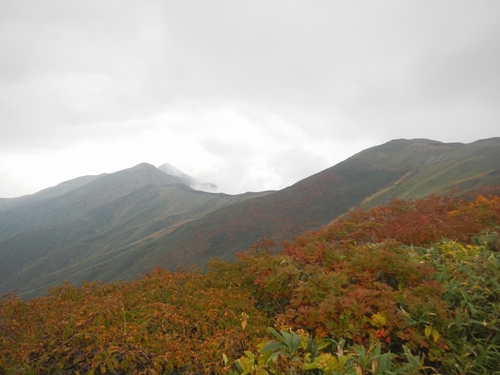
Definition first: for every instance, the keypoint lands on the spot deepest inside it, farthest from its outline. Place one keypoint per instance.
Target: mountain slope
(129, 222)
(32, 258)
(407, 169)
(69, 206)
(434, 167)
(60, 189)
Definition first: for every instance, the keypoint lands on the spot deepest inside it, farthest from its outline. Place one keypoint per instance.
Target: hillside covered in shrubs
(412, 287)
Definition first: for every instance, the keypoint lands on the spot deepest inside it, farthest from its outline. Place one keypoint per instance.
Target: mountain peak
(174, 171)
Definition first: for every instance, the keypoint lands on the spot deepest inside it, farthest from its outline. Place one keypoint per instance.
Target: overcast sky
(248, 95)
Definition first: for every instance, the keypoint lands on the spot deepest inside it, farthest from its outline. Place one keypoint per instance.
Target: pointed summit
(174, 171)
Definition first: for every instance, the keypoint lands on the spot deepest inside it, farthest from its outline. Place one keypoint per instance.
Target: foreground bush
(404, 311)
(164, 323)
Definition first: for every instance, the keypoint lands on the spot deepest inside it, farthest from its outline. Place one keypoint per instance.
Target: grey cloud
(324, 74)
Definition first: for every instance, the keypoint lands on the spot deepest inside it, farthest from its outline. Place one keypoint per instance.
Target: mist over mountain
(188, 180)
(169, 169)
(114, 226)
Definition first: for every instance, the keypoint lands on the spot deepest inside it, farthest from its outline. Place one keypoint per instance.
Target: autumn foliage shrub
(411, 287)
(421, 222)
(362, 280)
(163, 323)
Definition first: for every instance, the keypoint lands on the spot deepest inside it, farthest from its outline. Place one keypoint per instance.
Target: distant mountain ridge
(79, 200)
(117, 225)
(54, 191)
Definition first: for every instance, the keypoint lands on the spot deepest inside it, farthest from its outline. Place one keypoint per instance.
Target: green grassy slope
(434, 167)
